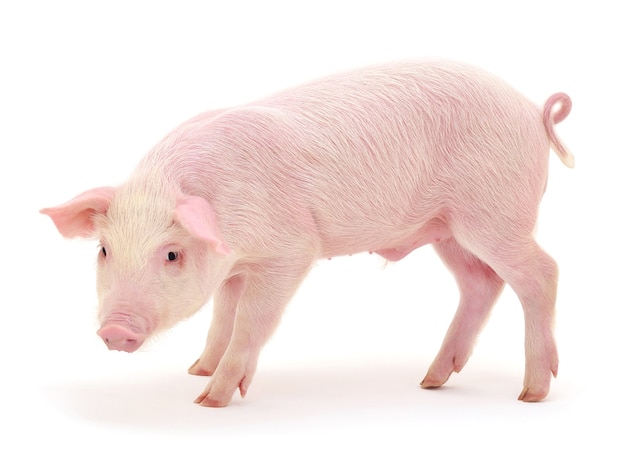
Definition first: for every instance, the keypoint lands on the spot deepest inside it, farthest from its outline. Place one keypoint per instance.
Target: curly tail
(552, 117)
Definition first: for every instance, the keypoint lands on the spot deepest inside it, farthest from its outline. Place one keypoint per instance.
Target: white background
(86, 88)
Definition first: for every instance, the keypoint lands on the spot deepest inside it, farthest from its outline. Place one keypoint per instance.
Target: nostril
(131, 342)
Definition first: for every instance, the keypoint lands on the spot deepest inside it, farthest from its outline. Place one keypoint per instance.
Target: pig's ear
(196, 215)
(75, 217)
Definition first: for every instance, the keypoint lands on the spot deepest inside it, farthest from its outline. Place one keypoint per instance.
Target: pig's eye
(173, 256)
(103, 251)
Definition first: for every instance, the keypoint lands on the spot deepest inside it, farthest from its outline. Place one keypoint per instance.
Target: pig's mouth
(120, 332)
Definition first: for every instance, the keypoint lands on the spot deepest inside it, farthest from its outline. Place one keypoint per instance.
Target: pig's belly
(433, 231)
(392, 245)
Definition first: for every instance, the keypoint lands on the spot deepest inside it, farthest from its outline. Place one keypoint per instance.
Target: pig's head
(160, 257)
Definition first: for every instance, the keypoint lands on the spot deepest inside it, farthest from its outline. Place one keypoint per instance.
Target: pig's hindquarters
(475, 195)
(492, 216)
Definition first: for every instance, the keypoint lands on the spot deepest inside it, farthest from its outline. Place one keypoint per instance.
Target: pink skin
(239, 203)
(119, 337)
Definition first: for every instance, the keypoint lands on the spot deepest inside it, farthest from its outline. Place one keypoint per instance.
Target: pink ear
(75, 217)
(196, 215)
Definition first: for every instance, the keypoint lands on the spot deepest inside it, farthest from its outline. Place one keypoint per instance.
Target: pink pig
(241, 202)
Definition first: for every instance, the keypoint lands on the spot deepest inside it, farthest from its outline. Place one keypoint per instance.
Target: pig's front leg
(267, 289)
(221, 330)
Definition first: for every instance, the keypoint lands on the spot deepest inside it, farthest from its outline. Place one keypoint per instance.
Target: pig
(238, 204)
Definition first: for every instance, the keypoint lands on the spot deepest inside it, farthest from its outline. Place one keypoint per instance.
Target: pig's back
(390, 148)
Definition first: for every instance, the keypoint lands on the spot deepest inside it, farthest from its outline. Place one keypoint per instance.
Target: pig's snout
(117, 337)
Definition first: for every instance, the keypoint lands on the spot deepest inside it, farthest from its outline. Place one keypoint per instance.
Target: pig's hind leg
(509, 248)
(479, 288)
(220, 332)
(267, 289)
(534, 279)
